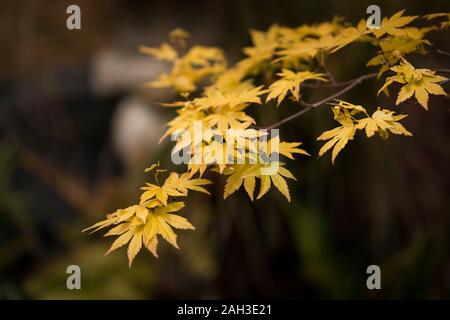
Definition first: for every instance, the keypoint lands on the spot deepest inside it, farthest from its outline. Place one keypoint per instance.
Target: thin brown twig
(344, 83)
(325, 67)
(411, 105)
(310, 106)
(328, 85)
(445, 53)
(384, 56)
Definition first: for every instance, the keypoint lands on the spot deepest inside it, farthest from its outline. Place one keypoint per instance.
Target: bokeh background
(77, 130)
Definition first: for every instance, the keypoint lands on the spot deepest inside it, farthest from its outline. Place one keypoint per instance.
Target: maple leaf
(417, 82)
(249, 185)
(232, 97)
(164, 52)
(198, 63)
(393, 25)
(175, 185)
(245, 95)
(382, 121)
(229, 117)
(161, 193)
(263, 46)
(185, 182)
(286, 149)
(444, 24)
(338, 138)
(246, 175)
(347, 36)
(280, 183)
(161, 221)
(110, 220)
(393, 48)
(237, 175)
(305, 50)
(278, 179)
(290, 82)
(289, 148)
(141, 223)
(138, 232)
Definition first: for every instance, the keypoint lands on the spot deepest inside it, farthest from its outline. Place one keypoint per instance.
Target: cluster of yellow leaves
(417, 82)
(218, 112)
(222, 106)
(140, 224)
(395, 39)
(246, 174)
(300, 47)
(382, 122)
(189, 69)
(303, 47)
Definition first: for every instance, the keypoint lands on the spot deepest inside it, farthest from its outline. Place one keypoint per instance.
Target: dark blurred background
(77, 130)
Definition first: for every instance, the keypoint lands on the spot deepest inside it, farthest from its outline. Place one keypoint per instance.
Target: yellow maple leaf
(305, 50)
(140, 232)
(161, 220)
(198, 63)
(393, 25)
(229, 118)
(237, 173)
(164, 52)
(289, 148)
(249, 185)
(338, 138)
(444, 24)
(290, 82)
(392, 48)
(347, 36)
(278, 179)
(417, 82)
(140, 224)
(382, 121)
(175, 186)
(246, 175)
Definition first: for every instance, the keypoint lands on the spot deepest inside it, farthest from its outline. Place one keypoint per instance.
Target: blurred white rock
(114, 71)
(135, 131)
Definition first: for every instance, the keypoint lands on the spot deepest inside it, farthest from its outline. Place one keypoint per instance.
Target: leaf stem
(325, 67)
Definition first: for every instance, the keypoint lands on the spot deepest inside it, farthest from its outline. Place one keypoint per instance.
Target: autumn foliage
(281, 63)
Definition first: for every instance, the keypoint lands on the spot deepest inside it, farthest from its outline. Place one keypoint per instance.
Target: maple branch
(329, 85)
(445, 53)
(344, 83)
(310, 106)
